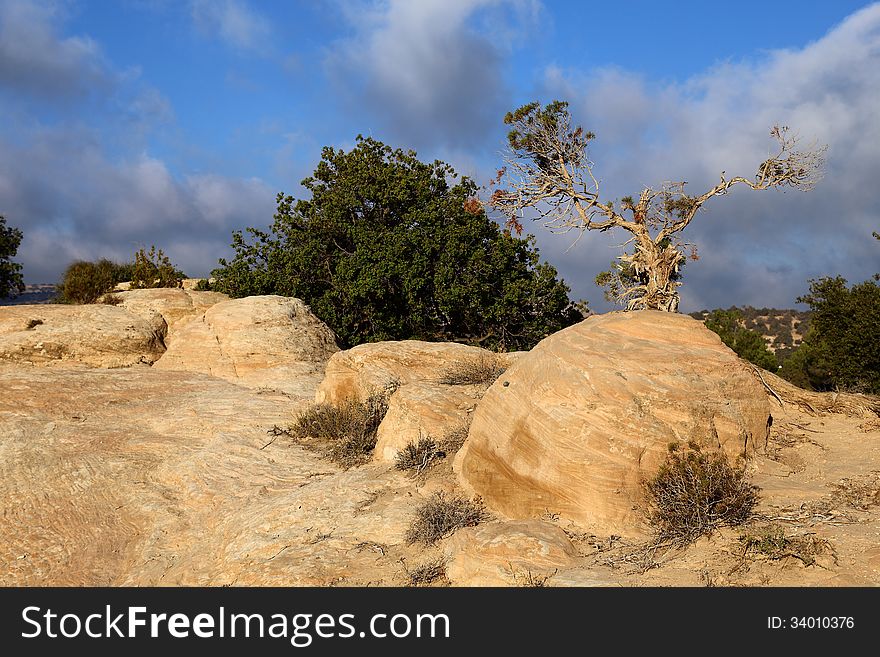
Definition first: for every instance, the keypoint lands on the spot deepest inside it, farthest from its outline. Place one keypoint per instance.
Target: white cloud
(233, 21)
(72, 201)
(423, 70)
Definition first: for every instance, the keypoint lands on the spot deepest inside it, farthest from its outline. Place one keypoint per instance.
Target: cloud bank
(75, 172)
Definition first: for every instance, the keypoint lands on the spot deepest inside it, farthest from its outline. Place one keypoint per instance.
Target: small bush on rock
(480, 371)
(771, 543)
(418, 456)
(85, 282)
(347, 432)
(425, 574)
(154, 269)
(441, 515)
(695, 492)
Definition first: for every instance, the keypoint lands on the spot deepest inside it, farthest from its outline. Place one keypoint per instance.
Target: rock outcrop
(93, 335)
(358, 371)
(177, 306)
(580, 421)
(264, 342)
(142, 477)
(516, 553)
(421, 410)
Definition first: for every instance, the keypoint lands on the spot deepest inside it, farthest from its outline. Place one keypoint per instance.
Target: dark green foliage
(746, 343)
(533, 123)
(204, 285)
(11, 281)
(85, 282)
(441, 515)
(695, 492)
(391, 248)
(842, 348)
(345, 433)
(154, 269)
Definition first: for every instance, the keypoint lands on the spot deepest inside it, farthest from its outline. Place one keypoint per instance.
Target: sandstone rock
(421, 409)
(512, 553)
(360, 370)
(590, 412)
(264, 341)
(176, 306)
(94, 335)
(143, 477)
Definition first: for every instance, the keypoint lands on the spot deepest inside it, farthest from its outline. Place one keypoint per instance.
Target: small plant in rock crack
(482, 370)
(346, 432)
(441, 515)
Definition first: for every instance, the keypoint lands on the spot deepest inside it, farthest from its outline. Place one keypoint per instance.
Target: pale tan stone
(589, 413)
(94, 335)
(420, 410)
(514, 553)
(359, 371)
(176, 306)
(263, 342)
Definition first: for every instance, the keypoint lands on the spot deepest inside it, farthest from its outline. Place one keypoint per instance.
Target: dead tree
(548, 174)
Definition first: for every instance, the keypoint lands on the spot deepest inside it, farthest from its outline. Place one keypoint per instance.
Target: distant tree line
(840, 349)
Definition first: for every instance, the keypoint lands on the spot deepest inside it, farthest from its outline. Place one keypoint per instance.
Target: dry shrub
(416, 457)
(441, 515)
(111, 299)
(431, 572)
(454, 438)
(345, 433)
(528, 579)
(479, 371)
(33, 323)
(695, 492)
(861, 493)
(770, 542)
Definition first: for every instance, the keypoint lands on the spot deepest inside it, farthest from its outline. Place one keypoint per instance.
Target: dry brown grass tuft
(479, 371)
(346, 433)
(770, 542)
(695, 492)
(428, 573)
(441, 515)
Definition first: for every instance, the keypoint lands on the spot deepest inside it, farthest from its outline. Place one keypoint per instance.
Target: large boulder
(177, 306)
(357, 372)
(421, 410)
(577, 424)
(94, 335)
(263, 342)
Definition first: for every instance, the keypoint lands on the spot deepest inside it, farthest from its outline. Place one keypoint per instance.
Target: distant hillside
(783, 330)
(43, 293)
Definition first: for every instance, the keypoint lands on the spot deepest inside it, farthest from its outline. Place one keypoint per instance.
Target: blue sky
(131, 122)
